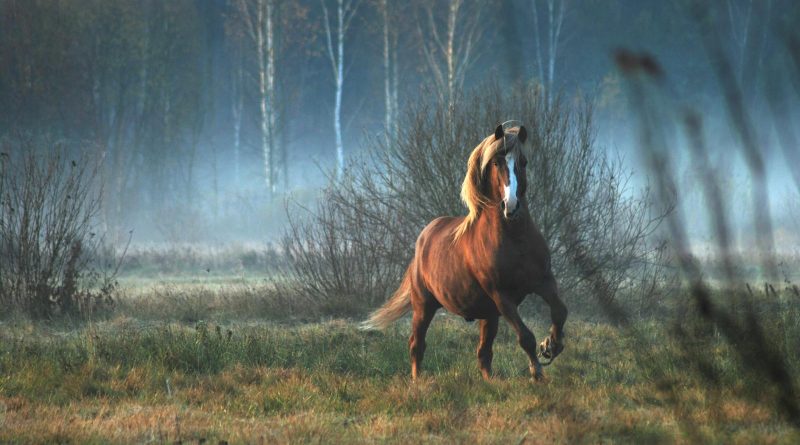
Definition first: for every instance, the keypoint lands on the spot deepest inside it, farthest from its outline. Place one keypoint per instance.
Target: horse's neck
(492, 227)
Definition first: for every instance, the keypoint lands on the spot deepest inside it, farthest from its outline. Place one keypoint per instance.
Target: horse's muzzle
(510, 214)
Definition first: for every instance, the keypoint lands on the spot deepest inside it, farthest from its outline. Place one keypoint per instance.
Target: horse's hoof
(537, 376)
(537, 373)
(546, 348)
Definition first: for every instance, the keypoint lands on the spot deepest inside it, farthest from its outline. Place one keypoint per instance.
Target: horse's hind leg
(488, 333)
(423, 314)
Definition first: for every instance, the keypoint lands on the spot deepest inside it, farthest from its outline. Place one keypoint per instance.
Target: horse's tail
(396, 307)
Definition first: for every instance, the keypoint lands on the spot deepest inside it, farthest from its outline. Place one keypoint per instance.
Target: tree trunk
(554, 20)
(555, 34)
(386, 73)
(390, 72)
(395, 87)
(538, 41)
(271, 90)
(450, 56)
(236, 110)
(337, 113)
(344, 14)
(264, 105)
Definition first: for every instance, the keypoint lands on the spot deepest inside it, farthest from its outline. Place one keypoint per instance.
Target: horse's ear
(522, 135)
(498, 132)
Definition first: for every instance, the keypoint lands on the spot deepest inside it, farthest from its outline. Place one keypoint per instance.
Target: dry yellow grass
(125, 382)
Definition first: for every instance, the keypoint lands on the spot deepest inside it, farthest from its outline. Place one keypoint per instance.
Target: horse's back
(436, 239)
(440, 227)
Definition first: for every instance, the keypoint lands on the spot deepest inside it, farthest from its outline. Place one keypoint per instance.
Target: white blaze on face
(510, 190)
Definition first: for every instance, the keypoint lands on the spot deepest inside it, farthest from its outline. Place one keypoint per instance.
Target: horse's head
(503, 165)
(495, 176)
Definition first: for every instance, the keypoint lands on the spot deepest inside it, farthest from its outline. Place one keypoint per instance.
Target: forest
(206, 114)
(201, 201)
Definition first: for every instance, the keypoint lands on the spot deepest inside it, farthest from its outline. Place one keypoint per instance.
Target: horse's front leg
(524, 335)
(554, 343)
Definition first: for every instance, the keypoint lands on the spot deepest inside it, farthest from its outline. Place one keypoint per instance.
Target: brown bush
(48, 240)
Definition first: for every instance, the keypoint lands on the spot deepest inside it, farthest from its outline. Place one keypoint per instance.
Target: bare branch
(331, 54)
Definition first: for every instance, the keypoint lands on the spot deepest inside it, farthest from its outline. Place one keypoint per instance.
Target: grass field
(164, 375)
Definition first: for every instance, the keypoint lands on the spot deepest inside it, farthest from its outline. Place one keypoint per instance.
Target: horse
(482, 265)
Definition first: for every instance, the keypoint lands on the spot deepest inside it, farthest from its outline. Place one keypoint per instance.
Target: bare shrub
(341, 260)
(354, 246)
(48, 205)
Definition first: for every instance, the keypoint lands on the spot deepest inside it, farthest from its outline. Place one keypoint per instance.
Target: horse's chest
(517, 269)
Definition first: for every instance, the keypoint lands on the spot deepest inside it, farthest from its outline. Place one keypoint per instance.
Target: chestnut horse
(483, 265)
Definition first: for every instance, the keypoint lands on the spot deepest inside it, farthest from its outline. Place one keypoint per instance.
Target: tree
(258, 17)
(345, 11)
(550, 26)
(450, 46)
(270, 52)
(390, 66)
(236, 38)
(117, 39)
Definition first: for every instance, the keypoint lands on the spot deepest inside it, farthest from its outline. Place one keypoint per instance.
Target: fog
(209, 118)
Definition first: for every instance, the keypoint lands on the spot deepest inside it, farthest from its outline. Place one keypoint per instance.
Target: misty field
(199, 359)
(200, 202)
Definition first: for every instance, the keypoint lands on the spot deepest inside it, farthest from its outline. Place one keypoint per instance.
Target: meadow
(203, 356)
(186, 343)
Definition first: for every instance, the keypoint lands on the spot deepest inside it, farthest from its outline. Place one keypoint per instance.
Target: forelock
(494, 146)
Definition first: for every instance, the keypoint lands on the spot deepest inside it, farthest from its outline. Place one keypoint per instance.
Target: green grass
(227, 356)
(125, 380)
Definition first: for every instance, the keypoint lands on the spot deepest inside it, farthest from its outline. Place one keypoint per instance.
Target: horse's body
(483, 265)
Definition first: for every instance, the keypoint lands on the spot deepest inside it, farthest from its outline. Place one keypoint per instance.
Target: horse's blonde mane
(471, 189)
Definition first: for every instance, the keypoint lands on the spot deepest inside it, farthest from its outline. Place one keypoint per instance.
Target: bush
(340, 260)
(48, 206)
(354, 246)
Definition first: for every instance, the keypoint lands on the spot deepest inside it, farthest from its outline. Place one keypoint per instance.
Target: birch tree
(335, 35)
(237, 105)
(548, 18)
(449, 47)
(390, 68)
(258, 17)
